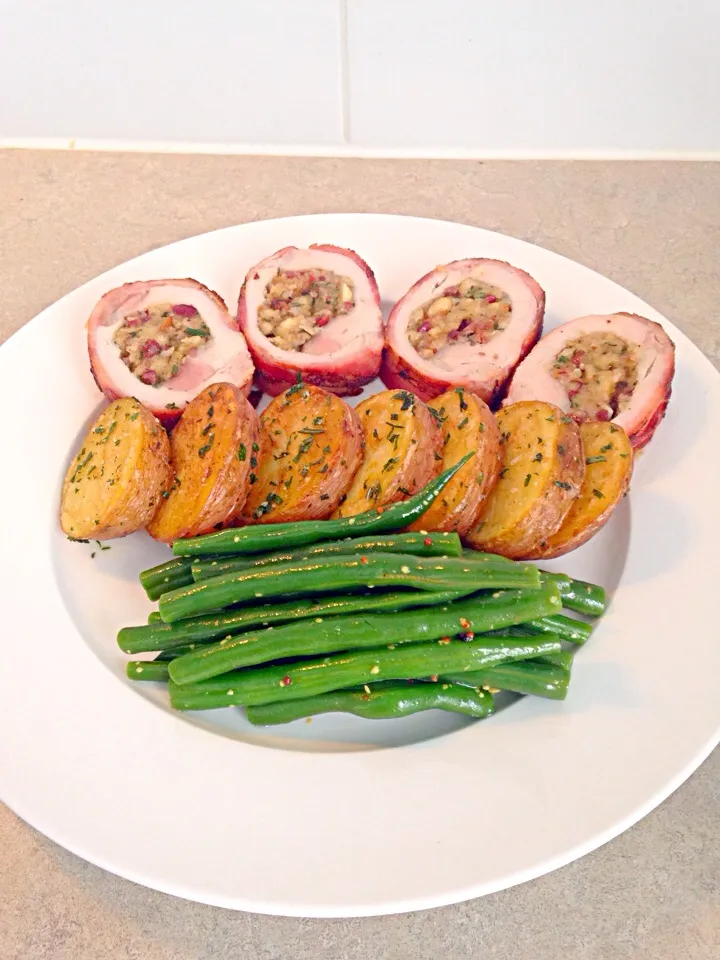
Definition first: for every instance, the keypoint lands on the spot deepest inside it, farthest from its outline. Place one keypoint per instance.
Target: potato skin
(310, 449)
(213, 448)
(113, 485)
(543, 469)
(608, 469)
(402, 451)
(467, 425)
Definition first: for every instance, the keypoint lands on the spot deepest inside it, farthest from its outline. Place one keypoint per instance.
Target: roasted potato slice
(402, 451)
(311, 447)
(608, 468)
(467, 426)
(543, 468)
(214, 450)
(113, 485)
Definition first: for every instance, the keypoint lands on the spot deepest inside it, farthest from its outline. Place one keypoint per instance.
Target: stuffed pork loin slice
(163, 341)
(316, 312)
(612, 367)
(467, 323)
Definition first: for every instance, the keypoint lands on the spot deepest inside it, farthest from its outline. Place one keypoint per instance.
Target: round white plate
(343, 817)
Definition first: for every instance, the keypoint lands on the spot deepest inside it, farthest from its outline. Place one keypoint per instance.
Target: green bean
(158, 573)
(533, 676)
(166, 636)
(480, 554)
(578, 595)
(280, 536)
(174, 652)
(147, 670)
(166, 576)
(563, 658)
(567, 628)
(156, 669)
(336, 574)
(308, 678)
(417, 544)
(329, 635)
(560, 658)
(153, 617)
(383, 702)
(563, 581)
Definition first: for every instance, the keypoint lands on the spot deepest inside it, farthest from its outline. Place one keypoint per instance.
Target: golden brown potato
(311, 447)
(609, 466)
(214, 449)
(543, 468)
(467, 426)
(402, 451)
(113, 485)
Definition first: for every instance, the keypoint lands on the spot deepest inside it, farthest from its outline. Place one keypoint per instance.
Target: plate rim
(306, 910)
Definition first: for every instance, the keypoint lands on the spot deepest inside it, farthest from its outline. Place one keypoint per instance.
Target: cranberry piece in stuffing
(151, 349)
(184, 309)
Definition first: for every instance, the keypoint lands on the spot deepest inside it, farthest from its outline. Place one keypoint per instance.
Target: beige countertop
(651, 894)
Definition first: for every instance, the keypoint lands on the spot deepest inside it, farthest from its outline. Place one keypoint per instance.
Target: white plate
(315, 820)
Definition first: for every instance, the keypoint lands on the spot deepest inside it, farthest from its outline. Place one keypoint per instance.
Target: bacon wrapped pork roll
(615, 367)
(163, 341)
(316, 312)
(467, 323)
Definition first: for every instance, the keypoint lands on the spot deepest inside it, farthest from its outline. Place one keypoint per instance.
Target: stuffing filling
(155, 342)
(599, 372)
(472, 311)
(298, 303)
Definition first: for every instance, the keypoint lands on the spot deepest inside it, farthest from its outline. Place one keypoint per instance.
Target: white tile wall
(545, 76)
(559, 74)
(237, 71)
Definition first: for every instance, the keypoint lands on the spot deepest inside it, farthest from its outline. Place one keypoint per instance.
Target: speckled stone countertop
(651, 894)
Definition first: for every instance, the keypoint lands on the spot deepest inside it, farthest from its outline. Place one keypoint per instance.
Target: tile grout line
(344, 71)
